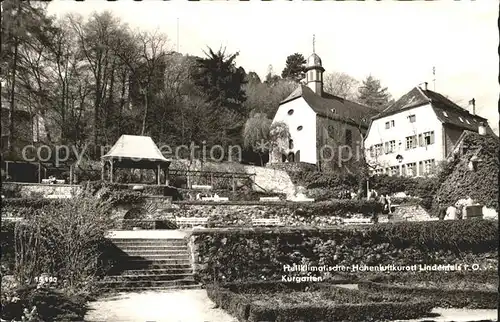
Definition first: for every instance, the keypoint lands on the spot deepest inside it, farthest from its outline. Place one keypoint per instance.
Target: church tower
(314, 72)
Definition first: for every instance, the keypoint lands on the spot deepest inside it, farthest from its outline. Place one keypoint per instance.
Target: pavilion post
(111, 170)
(39, 172)
(7, 169)
(167, 177)
(71, 174)
(212, 180)
(234, 183)
(158, 172)
(103, 164)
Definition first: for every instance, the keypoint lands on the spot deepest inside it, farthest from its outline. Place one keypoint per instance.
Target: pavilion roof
(135, 148)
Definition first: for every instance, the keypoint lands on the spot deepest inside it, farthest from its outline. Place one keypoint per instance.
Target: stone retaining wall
(34, 190)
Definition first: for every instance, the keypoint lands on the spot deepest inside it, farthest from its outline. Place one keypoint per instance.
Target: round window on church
(290, 112)
(299, 128)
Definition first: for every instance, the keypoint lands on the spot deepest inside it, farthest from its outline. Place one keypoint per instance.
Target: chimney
(473, 103)
(481, 128)
(425, 84)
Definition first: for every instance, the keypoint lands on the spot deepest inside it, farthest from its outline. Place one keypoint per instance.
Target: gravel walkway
(195, 306)
(164, 306)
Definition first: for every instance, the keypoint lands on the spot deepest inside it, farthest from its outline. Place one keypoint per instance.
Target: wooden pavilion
(135, 152)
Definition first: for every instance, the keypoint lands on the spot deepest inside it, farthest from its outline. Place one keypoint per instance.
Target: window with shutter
(420, 140)
(421, 168)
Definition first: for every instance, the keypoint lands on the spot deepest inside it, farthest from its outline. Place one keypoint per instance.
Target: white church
(316, 119)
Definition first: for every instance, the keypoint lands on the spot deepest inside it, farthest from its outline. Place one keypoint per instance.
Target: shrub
(481, 184)
(7, 259)
(11, 190)
(51, 304)
(63, 241)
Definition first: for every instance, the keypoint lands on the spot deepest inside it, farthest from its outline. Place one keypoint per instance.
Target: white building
(417, 131)
(316, 119)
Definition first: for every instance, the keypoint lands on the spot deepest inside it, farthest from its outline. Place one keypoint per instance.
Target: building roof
(446, 111)
(334, 107)
(135, 148)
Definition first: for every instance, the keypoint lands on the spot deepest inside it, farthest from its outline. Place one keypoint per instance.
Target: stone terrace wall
(268, 179)
(272, 180)
(31, 190)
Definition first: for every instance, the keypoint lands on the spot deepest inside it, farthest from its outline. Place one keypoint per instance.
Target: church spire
(314, 71)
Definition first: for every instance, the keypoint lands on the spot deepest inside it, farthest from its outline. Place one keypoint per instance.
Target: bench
(266, 222)
(215, 199)
(201, 187)
(269, 199)
(191, 221)
(473, 211)
(357, 221)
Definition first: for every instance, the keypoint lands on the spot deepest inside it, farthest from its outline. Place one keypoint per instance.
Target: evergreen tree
(295, 67)
(221, 81)
(371, 93)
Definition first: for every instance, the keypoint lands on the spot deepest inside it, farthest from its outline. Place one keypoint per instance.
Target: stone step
(150, 243)
(179, 269)
(155, 252)
(156, 264)
(145, 283)
(169, 241)
(148, 277)
(154, 257)
(152, 247)
(151, 288)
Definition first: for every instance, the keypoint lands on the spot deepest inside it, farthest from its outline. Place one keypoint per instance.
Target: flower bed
(460, 289)
(443, 295)
(312, 302)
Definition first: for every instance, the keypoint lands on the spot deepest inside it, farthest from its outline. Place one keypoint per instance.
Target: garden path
(195, 306)
(157, 306)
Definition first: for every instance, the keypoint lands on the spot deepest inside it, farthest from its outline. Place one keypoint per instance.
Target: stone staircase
(151, 264)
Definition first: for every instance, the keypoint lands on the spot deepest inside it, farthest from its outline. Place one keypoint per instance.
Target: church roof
(135, 148)
(446, 111)
(334, 107)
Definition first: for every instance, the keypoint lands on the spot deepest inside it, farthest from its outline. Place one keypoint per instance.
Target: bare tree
(341, 85)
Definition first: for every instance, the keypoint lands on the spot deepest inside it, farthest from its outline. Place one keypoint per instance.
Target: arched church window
(290, 112)
(348, 137)
(290, 144)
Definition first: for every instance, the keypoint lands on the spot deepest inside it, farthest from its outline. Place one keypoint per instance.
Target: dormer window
(412, 118)
(461, 119)
(467, 121)
(333, 110)
(445, 114)
(299, 128)
(290, 112)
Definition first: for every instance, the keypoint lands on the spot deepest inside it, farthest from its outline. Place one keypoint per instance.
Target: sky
(396, 42)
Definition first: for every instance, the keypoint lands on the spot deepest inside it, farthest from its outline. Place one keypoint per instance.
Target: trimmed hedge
(239, 254)
(283, 302)
(441, 297)
(325, 208)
